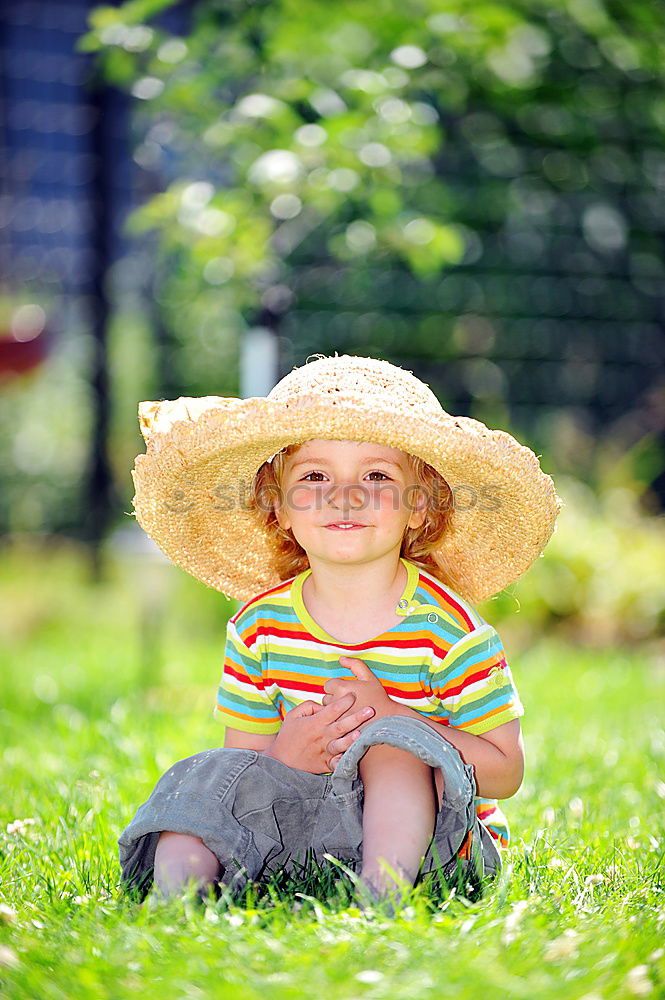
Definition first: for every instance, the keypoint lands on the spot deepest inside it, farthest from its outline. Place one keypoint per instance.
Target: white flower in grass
(20, 825)
(511, 923)
(369, 976)
(564, 946)
(7, 914)
(594, 879)
(576, 807)
(8, 958)
(637, 981)
(549, 816)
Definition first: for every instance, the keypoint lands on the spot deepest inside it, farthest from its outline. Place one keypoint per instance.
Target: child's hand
(308, 731)
(364, 686)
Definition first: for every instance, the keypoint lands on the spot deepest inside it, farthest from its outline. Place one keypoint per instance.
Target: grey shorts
(258, 815)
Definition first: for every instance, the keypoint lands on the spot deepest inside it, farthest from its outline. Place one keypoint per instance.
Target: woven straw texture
(193, 484)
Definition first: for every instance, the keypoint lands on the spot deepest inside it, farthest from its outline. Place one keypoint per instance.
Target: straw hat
(193, 484)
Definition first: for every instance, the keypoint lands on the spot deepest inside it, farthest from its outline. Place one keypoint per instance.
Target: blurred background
(196, 196)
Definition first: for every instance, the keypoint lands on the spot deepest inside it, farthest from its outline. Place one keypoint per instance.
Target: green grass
(97, 701)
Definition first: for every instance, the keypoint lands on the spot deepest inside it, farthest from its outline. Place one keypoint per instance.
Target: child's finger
(305, 708)
(357, 667)
(348, 727)
(360, 717)
(337, 748)
(336, 708)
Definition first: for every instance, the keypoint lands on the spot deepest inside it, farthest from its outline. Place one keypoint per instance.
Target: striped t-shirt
(442, 660)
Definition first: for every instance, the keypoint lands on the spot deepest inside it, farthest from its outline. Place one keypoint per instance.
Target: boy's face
(349, 502)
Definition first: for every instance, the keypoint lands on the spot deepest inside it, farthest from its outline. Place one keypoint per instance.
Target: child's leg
(181, 858)
(398, 815)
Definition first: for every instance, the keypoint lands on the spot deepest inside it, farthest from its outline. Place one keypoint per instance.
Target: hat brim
(194, 483)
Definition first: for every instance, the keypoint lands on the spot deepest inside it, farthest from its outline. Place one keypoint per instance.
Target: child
(364, 517)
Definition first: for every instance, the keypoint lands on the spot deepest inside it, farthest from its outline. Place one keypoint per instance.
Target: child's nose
(348, 495)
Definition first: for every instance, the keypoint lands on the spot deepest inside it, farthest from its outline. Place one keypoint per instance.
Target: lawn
(104, 685)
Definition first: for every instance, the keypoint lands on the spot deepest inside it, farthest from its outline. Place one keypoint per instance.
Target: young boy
(364, 654)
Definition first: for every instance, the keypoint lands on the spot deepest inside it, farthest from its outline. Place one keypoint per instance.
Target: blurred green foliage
(45, 410)
(46, 418)
(474, 191)
(327, 165)
(600, 580)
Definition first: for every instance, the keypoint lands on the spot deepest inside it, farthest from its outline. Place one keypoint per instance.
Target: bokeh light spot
(147, 88)
(375, 154)
(360, 236)
(28, 322)
(172, 51)
(218, 270)
(197, 195)
(311, 135)
(409, 56)
(604, 228)
(419, 231)
(343, 179)
(277, 166)
(258, 106)
(285, 206)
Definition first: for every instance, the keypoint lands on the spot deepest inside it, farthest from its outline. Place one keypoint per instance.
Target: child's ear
(417, 519)
(418, 509)
(281, 517)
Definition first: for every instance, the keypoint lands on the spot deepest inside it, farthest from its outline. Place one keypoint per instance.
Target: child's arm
(496, 756)
(236, 739)
(306, 734)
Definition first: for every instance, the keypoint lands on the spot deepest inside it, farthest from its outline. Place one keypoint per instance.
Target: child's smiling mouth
(345, 525)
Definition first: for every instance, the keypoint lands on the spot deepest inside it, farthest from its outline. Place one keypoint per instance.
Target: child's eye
(376, 476)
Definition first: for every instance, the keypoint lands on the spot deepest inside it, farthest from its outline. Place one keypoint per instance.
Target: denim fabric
(256, 814)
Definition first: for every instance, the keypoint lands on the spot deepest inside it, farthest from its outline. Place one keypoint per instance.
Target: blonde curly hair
(289, 558)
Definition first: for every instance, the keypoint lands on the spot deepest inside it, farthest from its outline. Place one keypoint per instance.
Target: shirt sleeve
(474, 684)
(242, 700)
